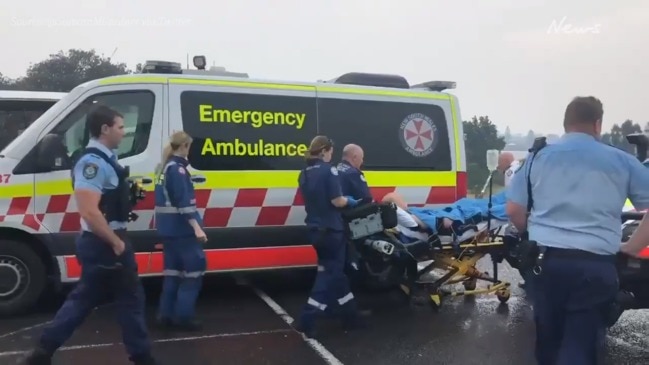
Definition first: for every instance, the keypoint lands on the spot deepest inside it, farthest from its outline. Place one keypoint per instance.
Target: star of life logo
(418, 134)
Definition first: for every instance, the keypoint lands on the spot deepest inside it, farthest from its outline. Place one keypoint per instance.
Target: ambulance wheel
(503, 295)
(23, 277)
(470, 284)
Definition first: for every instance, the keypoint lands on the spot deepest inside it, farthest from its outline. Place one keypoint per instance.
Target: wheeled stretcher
(386, 262)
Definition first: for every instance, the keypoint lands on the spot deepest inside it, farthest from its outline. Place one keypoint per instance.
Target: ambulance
(250, 137)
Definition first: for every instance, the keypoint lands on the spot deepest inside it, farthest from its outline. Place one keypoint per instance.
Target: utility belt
(529, 256)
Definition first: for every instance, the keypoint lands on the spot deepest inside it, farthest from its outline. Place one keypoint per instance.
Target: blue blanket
(463, 209)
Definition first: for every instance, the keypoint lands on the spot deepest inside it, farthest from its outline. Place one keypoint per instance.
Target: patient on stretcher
(465, 216)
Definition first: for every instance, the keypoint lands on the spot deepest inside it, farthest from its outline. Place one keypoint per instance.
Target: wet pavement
(246, 320)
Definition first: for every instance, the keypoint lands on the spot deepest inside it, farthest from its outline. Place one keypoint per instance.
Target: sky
(519, 62)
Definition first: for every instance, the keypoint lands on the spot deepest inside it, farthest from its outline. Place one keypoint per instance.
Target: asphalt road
(246, 322)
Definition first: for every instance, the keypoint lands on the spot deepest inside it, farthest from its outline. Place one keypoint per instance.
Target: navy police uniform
(319, 184)
(579, 186)
(184, 258)
(352, 182)
(104, 275)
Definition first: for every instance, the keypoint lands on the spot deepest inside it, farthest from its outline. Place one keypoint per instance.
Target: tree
(618, 133)
(6, 83)
(64, 71)
(481, 135)
(508, 135)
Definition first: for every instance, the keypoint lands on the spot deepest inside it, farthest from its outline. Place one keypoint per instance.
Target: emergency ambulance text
(259, 148)
(257, 119)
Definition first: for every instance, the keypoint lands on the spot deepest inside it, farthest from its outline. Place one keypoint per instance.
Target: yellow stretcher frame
(460, 268)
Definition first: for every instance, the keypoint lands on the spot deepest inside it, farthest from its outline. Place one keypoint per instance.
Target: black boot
(164, 323)
(188, 325)
(38, 356)
(143, 360)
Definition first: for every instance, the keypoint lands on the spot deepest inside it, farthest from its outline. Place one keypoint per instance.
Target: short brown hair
(318, 145)
(583, 110)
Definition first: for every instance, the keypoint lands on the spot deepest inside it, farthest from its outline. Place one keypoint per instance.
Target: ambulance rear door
(407, 138)
(53, 211)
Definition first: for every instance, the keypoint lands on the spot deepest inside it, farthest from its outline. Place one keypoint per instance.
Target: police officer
(180, 227)
(352, 179)
(578, 186)
(101, 190)
(320, 188)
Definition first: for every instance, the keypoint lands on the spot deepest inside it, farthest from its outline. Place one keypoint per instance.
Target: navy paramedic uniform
(579, 186)
(352, 182)
(319, 184)
(184, 258)
(103, 273)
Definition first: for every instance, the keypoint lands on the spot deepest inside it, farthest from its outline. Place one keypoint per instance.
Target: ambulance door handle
(198, 179)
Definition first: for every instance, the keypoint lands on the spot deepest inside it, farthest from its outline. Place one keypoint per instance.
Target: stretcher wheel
(470, 284)
(435, 299)
(503, 295)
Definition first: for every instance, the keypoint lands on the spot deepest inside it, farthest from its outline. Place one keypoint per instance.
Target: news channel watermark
(565, 26)
(99, 21)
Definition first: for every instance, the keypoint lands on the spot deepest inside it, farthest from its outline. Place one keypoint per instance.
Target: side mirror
(52, 155)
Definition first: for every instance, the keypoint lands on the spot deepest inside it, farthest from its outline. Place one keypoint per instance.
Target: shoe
(189, 326)
(38, 357)
(164, 323)
(144, 360)
(307, 330)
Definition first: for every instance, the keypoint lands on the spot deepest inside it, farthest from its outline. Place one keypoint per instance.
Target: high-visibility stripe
(456, 135)
(249, 180)
(217, 207)
(345, 89)
(218, 260)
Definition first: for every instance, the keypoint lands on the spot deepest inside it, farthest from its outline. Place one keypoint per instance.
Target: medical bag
(368, 219)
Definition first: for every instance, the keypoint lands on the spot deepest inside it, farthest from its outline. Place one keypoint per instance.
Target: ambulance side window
(395, 136)
(68, 139)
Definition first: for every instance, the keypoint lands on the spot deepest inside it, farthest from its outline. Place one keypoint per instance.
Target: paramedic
(352, 179)
(179, 226)
(106, 256)
(508, 166)
(320, 188)
(579, 186)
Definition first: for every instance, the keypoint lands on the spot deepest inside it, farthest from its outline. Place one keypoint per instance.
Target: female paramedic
(321, 191)
(179, 226)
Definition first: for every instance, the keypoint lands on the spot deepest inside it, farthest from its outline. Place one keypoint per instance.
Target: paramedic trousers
(184, 266)
(104, 276)
(573, 296)
(331, 290)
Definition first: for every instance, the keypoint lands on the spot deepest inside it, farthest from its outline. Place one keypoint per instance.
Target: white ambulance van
(249, 140)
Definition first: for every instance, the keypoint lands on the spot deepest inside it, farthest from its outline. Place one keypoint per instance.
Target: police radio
(136, 192)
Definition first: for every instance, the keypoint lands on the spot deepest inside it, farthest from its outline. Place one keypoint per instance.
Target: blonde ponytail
(176, 140)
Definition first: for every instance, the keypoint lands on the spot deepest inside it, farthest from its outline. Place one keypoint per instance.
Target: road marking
(165, 340)
(25, 329)
(325, 354)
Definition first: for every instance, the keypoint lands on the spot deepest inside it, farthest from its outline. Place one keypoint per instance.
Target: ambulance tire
(27, 278)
